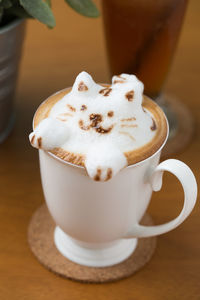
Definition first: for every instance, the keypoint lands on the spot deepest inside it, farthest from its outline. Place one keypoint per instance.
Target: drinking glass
(141, 38)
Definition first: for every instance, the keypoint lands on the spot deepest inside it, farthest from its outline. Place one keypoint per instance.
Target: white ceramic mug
(97, 223)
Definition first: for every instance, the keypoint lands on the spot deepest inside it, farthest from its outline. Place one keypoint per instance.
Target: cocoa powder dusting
(83, 107)
(154, 126)
(105, 92)
(119, 76)
(95, 119)
(130, 95)
(110, 114)
(61, 119)
(109, 174)
(82, 87)
(39, 141)
(118, 81)
(128, 119)
(32, 139)
(82, 126)
(66, 115)
(127, 134)
(144, 110)
(97, 177)
(100, 129)
(71, 107)
(129, 126)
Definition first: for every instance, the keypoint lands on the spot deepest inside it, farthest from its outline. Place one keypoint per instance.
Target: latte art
(99, 126)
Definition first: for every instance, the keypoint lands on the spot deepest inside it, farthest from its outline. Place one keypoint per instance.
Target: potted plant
(12, 30)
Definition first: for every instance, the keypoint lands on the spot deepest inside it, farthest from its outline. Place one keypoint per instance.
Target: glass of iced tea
(141, 37)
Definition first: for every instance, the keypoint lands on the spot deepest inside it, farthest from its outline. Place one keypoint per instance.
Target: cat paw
(103, 161)
(103, 174)
(36, 141)
(49, 134)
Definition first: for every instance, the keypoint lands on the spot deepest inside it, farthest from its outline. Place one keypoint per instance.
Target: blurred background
(51, 60)
(77, 43)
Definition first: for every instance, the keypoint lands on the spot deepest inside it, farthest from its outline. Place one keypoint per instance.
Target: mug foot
(92, 255)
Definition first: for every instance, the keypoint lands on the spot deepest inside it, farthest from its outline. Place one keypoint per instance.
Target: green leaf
(18, 11)
(1, 13)
(6, 3)
(48, 2)
(84, 7)
(40, 10)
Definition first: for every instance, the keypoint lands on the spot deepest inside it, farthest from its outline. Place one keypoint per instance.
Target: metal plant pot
(11, 40)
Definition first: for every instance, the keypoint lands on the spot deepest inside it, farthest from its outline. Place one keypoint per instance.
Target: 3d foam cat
(99, 123)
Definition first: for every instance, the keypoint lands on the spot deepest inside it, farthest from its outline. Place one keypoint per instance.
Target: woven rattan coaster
(40, 237)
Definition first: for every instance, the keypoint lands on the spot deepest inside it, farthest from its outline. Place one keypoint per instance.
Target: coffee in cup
(101, 127)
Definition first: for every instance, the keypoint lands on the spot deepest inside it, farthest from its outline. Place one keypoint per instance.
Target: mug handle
(188, 181)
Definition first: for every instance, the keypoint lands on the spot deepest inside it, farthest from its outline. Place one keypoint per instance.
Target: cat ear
(83, 84)
(118, 79)
(131, 86)
(126, 78)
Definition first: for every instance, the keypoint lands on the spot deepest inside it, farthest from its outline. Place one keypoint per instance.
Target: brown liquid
(141, 38)
(159, 124)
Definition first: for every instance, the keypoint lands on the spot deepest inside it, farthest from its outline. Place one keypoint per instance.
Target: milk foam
(100, 123)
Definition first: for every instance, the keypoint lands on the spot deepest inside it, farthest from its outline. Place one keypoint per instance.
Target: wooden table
(52, 59)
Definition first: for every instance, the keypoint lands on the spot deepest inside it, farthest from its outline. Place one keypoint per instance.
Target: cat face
(102, 110)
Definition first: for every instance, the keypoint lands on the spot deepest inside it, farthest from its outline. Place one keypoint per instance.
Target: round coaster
(40, 237)
(183, 122)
